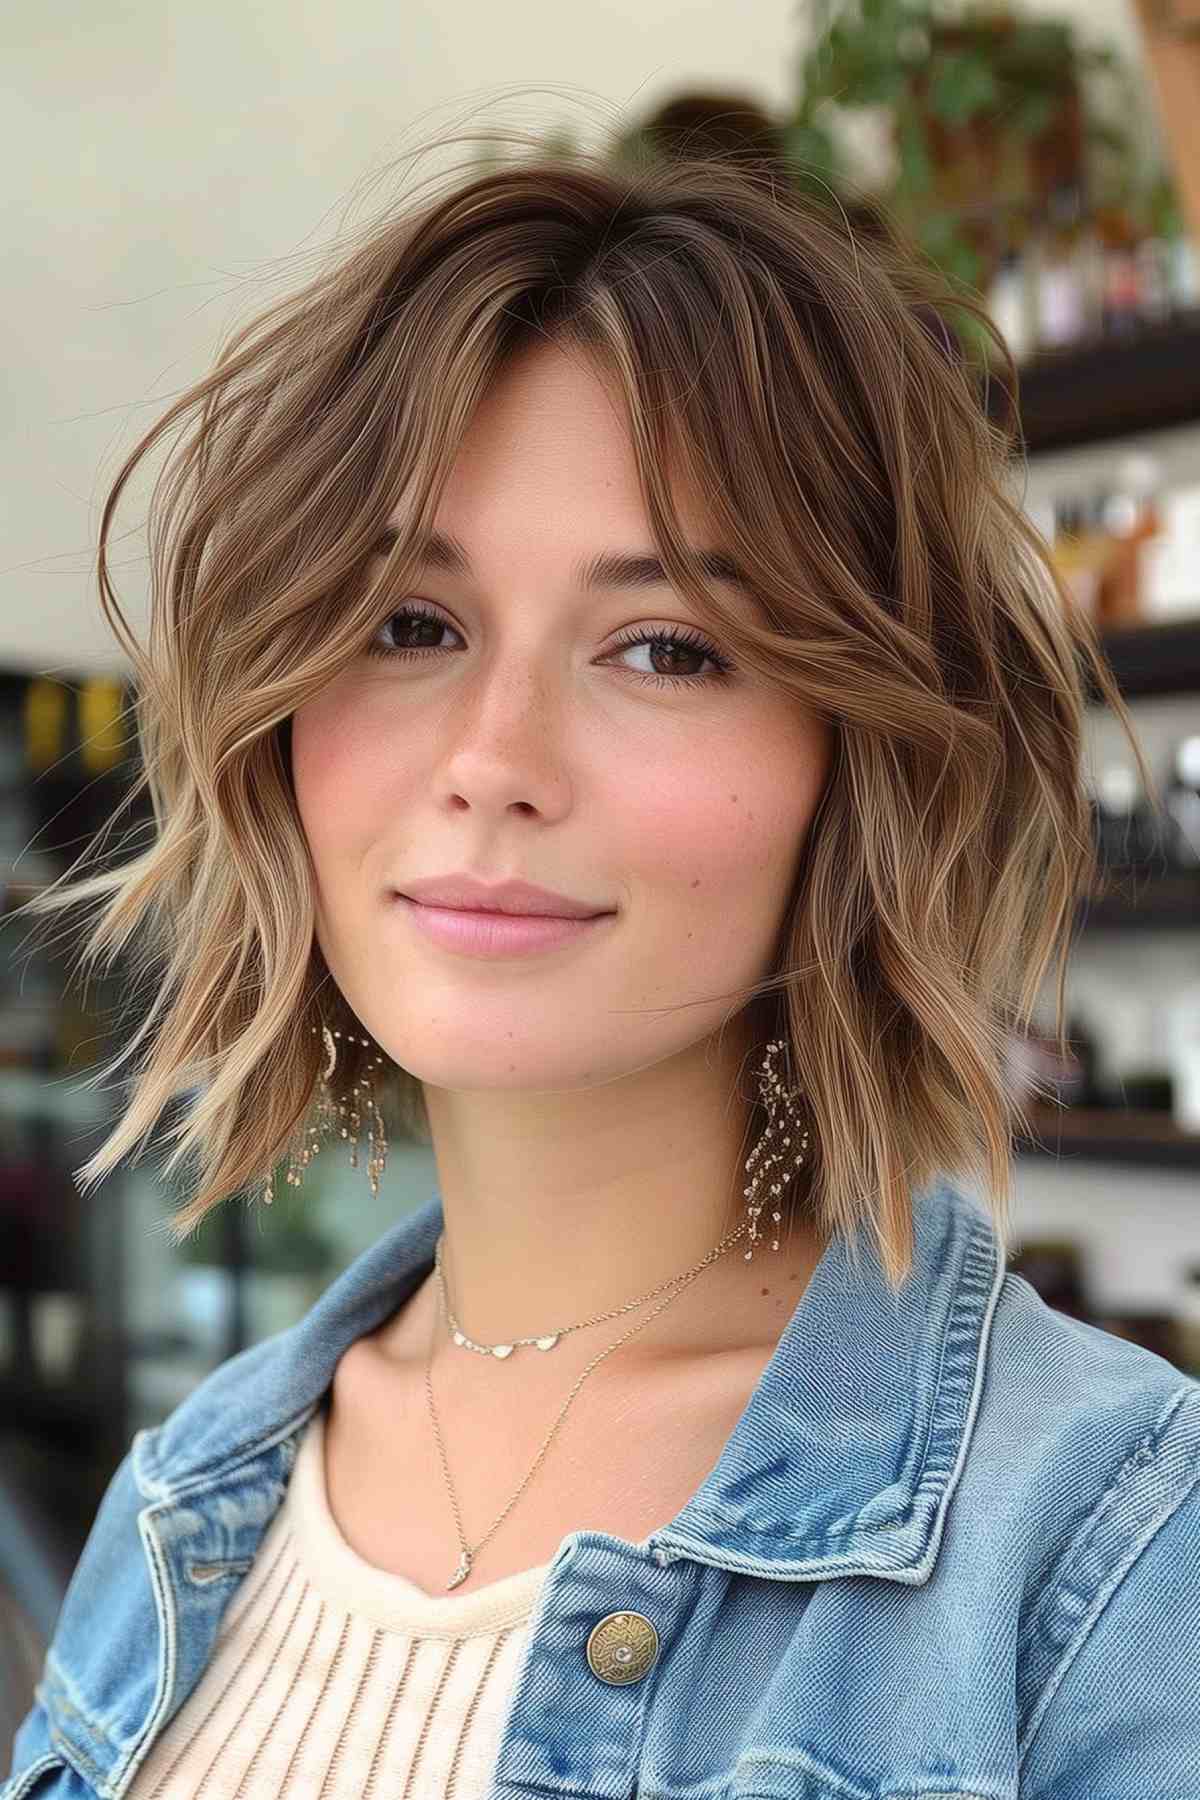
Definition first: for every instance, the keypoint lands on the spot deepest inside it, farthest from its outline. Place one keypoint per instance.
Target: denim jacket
(951, 1548)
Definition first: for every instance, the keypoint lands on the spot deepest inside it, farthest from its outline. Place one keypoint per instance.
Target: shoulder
(234, 1411)
(1070, 1397)
(254, 1400)
(1084, 1477)
(1074, 1422)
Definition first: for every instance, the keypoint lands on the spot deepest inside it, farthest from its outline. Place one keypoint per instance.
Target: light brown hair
(785, 366)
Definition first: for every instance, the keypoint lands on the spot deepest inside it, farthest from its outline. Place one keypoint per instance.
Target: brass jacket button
(622, 1647)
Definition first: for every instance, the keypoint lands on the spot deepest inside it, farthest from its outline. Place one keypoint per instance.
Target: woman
(627, 536)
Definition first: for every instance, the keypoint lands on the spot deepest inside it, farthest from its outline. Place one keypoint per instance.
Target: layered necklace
(543, 1341)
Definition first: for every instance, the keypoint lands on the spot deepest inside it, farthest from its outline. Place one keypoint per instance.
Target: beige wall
(159, 158)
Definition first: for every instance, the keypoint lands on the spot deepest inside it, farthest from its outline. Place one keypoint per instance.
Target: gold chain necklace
(679, 1282)
(549, 1339)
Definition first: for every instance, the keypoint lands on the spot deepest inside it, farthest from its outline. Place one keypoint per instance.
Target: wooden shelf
(1143, 1139)
(1144, 900)
(1154, 659)
(1107, 389)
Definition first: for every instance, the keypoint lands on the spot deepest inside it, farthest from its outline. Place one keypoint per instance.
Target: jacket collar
(843, 1461)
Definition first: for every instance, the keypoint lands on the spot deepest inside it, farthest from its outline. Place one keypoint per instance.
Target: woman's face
(520, 738)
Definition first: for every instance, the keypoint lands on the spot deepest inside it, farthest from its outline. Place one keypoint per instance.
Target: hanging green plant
(991, 112)
(995, 120)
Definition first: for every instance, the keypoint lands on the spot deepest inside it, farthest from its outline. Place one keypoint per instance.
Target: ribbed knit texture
(333, 1680)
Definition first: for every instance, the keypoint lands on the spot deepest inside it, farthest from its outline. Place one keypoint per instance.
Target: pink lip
(494, 933)
(467, 893)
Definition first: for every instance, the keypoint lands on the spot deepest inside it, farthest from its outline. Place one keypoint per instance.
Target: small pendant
(462, 1571)
(500, 1351)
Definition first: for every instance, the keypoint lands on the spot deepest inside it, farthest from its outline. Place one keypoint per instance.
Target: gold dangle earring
(774, 1096)
(343, 1116)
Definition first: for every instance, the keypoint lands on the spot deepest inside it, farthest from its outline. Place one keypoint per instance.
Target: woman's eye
(431, 623)
(415, 630)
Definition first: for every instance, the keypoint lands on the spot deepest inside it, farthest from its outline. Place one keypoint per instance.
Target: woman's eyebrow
(610, 569)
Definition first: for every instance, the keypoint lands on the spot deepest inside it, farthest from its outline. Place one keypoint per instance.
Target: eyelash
(670, 634)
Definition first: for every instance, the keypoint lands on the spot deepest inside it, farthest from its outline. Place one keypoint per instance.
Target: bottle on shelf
(1089, 261)
(1183, 272)
(1121, 311)
(1170, 562)
(1061, 318)
(1181, 1039)
(1152, 258)
(1181, 254)
(1181, 799)
(1131, 517)
(1127, 836)
(1009, 304)
(1081, 550)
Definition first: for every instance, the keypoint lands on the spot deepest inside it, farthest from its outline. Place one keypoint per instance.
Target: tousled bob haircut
(783, 366)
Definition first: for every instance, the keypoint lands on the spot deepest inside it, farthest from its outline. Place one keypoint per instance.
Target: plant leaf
(810, 149)
(916, 166)
(962, 86)
(1031, 113)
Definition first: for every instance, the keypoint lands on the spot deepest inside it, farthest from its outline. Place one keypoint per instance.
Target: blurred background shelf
(1145, 901)
(1156, 659)
(1141, 1139)
(1107, 389)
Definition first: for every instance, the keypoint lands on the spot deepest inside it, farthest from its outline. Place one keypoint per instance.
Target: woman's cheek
(327, 770)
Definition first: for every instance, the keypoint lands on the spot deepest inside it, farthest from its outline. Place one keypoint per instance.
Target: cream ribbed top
(331, 1679)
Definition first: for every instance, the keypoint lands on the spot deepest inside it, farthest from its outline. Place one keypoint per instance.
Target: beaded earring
(343, 1116)
(774, 1096)
(770, 1149)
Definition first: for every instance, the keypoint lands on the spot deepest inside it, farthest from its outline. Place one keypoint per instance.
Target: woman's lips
(493, 933)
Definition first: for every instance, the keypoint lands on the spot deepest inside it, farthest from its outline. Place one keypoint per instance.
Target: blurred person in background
(604, 713)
